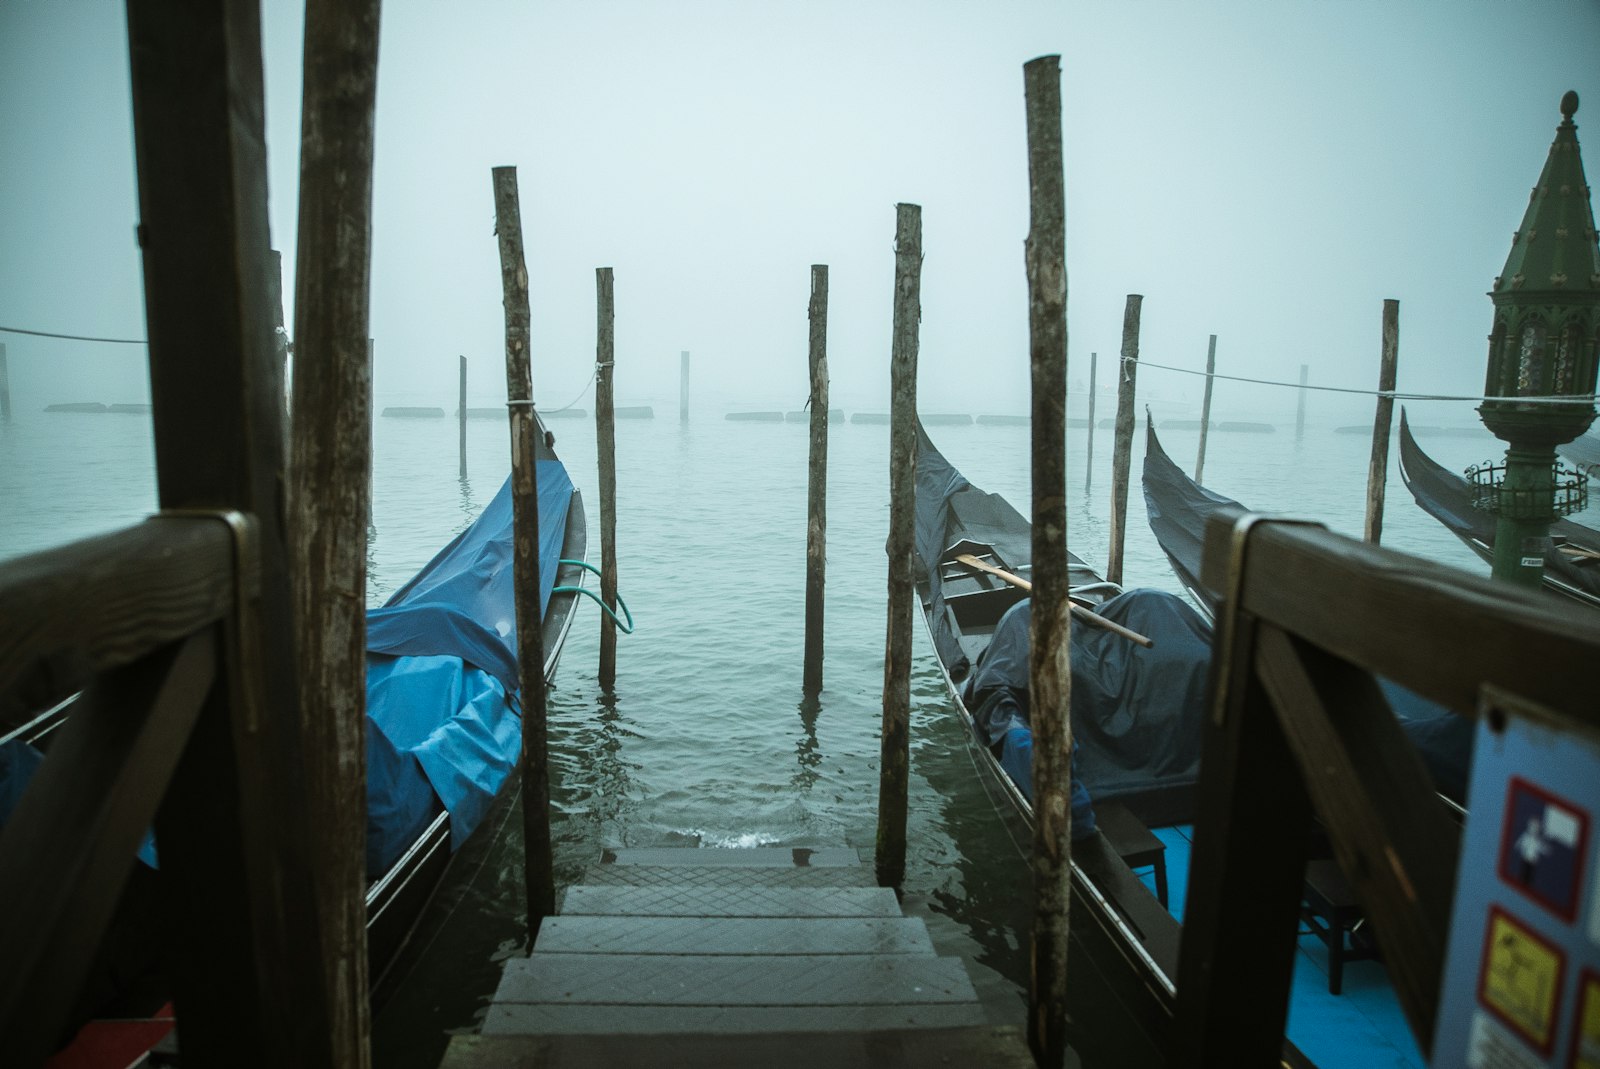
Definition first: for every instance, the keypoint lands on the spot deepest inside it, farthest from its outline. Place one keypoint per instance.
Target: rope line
(72, 337)
(1396, 395)
(581, 392)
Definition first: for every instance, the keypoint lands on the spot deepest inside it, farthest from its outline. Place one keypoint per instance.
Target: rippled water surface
(707, 738)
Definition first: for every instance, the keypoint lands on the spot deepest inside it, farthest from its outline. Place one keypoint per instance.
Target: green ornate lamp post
(1544, 346)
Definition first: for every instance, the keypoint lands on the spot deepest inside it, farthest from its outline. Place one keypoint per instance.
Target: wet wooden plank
(732, 935)
(732, 902)
(920, 1043)
(750, 857)
(627, 980)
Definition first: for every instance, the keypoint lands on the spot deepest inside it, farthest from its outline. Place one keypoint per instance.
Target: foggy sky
(1268, 172)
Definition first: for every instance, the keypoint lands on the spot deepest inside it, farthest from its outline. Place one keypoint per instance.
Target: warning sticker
(1521, 979)
(1542, 846)
(1586, 1034)
(1492, 1047)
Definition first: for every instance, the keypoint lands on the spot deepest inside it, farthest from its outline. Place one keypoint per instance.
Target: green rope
(625, 628)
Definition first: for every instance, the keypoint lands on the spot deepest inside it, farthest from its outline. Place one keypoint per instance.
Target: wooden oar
(1078, 611)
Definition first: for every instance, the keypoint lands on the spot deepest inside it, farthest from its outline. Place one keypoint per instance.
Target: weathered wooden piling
(1049, 674)
(538, 863)
(1378, 466)
(461, 414)
(1300, 409)
(1088, 456)
(606, 430)
(245, 953)
(330, 494)
(5, 386)
(816, 482)
(894, 770)
(1122, 450)
(683, 386)
(1205, 409)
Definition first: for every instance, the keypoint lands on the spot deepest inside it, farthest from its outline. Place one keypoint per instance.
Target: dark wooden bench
(1136, 844)
(1333, 913)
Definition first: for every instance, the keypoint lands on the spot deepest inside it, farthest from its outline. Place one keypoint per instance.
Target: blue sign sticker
(1542, 846)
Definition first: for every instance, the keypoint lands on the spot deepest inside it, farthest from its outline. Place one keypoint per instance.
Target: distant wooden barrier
(76, 406)
(1298, 725)
(1003, 421)
(755, 417)
(413, 412)
(634, 412)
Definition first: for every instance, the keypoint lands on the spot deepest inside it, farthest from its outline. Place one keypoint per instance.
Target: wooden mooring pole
(1300, 410)
(330, 493)
(461, 414)
(1378, 466)
(1088, 455)
(1122, 450)
(1049, 674)
(895, 767)
(816, 482)
(5, 386)
(683, 386)
(538, 862)
(606, 431)
(1205, 409)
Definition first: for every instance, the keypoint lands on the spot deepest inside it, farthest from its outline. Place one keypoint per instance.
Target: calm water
(707, 738)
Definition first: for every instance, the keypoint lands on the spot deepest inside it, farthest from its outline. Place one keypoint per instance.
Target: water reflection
(808, 755)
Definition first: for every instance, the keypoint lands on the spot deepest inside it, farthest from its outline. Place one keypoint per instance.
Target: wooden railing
(136, 621)
(1298, 726)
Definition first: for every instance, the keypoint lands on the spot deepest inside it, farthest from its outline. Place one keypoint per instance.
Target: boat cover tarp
(1136, 712)
(1179, 507)
(441, 661)
(1445, 496)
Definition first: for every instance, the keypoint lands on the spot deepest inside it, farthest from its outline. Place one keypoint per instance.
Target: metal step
(732, 935)
(724, 901)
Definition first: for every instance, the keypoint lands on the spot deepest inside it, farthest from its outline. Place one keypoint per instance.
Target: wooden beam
(67, 851)
(1050, 624)
(1393, 840)
(103, 602)
(1205, 410)
(217, 394)
(1411, 620)
(1122, 447)
(1382, 424)
(605, 422)
(895, 767)
(330, 497)
(1252, 824)
(816, 483)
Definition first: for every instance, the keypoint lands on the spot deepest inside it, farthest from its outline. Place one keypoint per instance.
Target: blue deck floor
(1362, 1028)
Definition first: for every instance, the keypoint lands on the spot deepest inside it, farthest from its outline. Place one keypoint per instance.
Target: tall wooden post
(683, 386)
(895, 767)
(606, 429)
(1122, 451)
(330, 496)
(538, 860)
(244, 943)
(461, 414)
(5, 386)
(1088, 456)
(1300, 411)
(1378, 466)
(1205, 409)
(1049, 670)
(817, 482)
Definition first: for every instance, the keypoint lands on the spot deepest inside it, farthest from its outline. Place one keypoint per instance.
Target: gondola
(1136, 717)
(1178, 510)
(442, 741)
(1571, 565)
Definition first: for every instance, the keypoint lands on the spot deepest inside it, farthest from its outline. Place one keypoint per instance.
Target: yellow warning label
(1521, 979)
(1586, 1044)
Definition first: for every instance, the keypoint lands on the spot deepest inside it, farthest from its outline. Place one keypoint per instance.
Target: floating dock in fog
(735, 957)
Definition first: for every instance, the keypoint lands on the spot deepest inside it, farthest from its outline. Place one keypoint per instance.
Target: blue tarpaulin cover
(442, 677)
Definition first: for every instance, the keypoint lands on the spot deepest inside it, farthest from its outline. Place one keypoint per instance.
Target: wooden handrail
(106, 601)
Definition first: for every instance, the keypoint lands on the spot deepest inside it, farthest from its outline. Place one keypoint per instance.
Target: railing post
(1049, 674)
(1122, 451)
(538, 862)
(1383, 421)
(236, 855)
(329, 491)
(606, 428)
(1205, 409)
(817, 483)
(894, 771)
